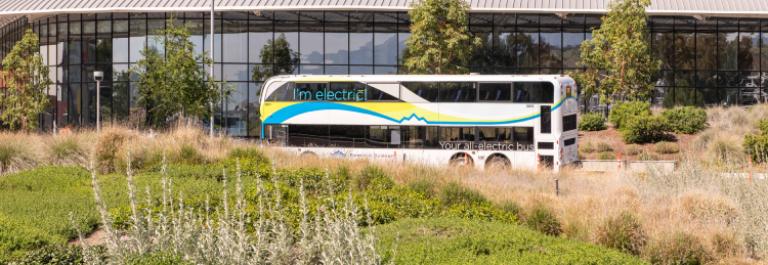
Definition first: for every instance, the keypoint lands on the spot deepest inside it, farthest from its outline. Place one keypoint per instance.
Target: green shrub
(587, 148)
(511, 207)
(687, 120)
(157, 258)
(679, 248)
(644, 129)
(373, 178)
(592, 122)
(756, 145)
(189, 154)
(424, 187)
(603, 147)
(666, 148)
(623, 232)
(7, 154)
(54, 255)
(633, 150)
(66, 149)
(622, 113)
(606, 156)
(453, 194)
(462, 241)
(645, 156)
(543, 220)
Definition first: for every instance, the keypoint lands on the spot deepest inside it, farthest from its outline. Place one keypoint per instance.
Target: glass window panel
(749, 45)
(361, 70)
(286, 28)
(336, 69)
(361, 38)
(311, 69)
(104, 51)
(308, 135)
(533, 92)
(336, 38)
(685, 50)
(75, 28)
(495, 91)
(120, 26)
(236, 110)
(385, 70)
(138, 39)
(74, 50)
(311, 37)
(523, 136)
(664, 48)
(427, 91)
(254, 121)
(706, 51)
(457, 92)
(235, 72)
(120, 50)
(236, 41)
(457, 134)
(104, 27)
(728, 47)
(259, 37)
(156, 39)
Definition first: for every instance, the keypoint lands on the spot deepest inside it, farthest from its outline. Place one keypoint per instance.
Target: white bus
(508, 121)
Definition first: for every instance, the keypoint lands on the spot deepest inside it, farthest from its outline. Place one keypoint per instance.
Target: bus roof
(413, 78)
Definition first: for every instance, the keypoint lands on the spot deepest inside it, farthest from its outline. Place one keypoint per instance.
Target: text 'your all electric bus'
(505, 121)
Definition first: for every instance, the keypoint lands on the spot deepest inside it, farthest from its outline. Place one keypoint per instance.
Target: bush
(623, 112)
(633, 150)
(543, 220)
(189, 154)
(424, 187)
(455, 194)
(644, 129)
(623, 232)
(587, 148)
(66, 149)
(679, 248)
(7, 154)
(54, 255)
(606, 156)
(603, 147)
(592, 122)
(108, 147)
(687, 120)
(373, 178)
(756, 145)
(666, 148)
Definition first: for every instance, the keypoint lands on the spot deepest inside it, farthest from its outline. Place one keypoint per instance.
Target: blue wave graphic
(291, 111)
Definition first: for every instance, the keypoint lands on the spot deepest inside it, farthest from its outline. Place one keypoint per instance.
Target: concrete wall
(662, 166)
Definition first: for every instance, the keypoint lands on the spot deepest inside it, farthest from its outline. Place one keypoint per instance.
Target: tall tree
(278, 58)
(172, 84)
(618, 59)
(440, 42)
(27, 82)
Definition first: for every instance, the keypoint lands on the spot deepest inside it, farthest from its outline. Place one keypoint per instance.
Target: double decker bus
(483, 121)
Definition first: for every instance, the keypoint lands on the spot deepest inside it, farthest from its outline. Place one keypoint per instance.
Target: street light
(98, 76)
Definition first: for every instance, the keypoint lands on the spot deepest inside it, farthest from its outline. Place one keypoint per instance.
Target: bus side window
(546, 119)
(533, 92)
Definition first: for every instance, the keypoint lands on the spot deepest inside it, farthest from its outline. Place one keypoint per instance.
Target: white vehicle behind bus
(510, 121)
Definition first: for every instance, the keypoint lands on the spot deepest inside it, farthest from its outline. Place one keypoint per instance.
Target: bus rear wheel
(462, 160)
(497, 162)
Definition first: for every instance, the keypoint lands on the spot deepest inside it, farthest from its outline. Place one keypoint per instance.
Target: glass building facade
(705, 62)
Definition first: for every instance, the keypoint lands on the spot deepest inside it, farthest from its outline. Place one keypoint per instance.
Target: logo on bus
(303, 94)
(485, 146)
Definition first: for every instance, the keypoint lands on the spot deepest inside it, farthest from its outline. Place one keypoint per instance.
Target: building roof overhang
(14, 9)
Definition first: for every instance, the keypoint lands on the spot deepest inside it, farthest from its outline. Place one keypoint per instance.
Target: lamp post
(98, 76)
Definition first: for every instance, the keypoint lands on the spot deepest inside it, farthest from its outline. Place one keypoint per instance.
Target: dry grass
(182, 142)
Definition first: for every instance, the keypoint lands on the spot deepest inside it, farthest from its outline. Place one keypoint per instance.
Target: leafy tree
(27, 84)
(440, 42)
(172, 84)
(618, 58)
(278, 57)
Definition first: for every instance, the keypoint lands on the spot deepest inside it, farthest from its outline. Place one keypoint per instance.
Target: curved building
(713, 51)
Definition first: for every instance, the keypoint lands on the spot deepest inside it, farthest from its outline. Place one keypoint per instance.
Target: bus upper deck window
(533, 92)
(495, 91)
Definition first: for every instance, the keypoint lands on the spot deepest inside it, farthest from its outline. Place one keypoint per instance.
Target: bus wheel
(461, 160)
(308, 154)
(497, 162)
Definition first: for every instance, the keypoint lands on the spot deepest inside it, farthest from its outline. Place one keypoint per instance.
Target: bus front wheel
(461, 160)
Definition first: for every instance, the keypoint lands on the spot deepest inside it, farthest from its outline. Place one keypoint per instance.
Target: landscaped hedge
(756, 145)
(645, 129)
(592, 122)
(623, 112)
(687, 120)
